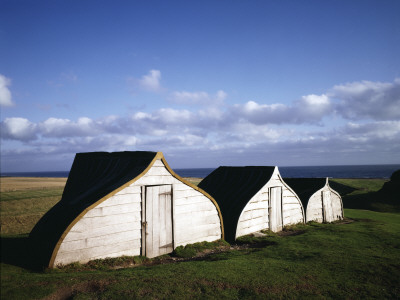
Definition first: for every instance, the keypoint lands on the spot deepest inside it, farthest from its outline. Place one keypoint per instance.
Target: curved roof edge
(159, 155)
(197, 189)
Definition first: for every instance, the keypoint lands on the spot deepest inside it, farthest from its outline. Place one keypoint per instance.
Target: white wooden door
(158, 220)
(275, 210)
(327, 206)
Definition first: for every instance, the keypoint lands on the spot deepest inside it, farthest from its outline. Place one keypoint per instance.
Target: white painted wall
(255, 215)
(113, 228)
(314, 205)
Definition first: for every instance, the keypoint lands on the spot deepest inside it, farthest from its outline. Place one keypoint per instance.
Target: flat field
(358, 258)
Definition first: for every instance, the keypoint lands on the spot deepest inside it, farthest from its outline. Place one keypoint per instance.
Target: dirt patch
(96, 286)
(291, 232)
(344, 221)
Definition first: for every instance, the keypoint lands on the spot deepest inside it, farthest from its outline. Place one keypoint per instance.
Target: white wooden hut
(252, 199)
(124, 203)
(323, 204)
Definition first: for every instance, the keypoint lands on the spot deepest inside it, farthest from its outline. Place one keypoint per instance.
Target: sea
(351, 171)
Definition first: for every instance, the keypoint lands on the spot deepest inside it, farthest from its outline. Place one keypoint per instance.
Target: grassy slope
(355, 260)
(365, 197)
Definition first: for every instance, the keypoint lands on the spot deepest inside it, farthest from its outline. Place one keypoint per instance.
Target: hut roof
(232, 188)
(305, 187)
(92, 177)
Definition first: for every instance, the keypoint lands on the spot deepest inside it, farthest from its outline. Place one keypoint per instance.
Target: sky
(208, 83)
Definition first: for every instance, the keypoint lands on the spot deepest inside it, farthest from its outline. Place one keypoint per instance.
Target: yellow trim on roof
(159, 155)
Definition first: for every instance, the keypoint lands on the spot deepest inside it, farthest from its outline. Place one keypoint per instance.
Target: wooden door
(275, 209)
(158, 220)
(327, 206)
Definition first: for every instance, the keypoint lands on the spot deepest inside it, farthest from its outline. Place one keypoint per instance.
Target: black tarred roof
(232, 188)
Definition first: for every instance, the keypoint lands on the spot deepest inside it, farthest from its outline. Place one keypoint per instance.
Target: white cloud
(5, 94)
(252, 132)
(18, 129)
(151, 81)
(54, 127)
(309, 109)
(368, 100)
(203, 98)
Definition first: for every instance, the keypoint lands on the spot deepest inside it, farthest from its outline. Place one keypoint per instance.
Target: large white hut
(252, 199)
(124, 203)
(323, 203)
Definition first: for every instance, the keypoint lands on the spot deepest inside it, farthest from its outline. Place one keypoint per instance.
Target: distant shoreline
(345, 172)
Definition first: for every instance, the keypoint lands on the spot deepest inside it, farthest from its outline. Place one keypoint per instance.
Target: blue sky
(208, 83)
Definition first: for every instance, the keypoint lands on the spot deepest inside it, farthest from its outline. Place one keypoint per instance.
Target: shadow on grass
(16, 251)
(371, 201)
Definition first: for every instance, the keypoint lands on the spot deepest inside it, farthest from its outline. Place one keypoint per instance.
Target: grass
(362, 186)
(23, 201)
(358, 259)
(364, 195)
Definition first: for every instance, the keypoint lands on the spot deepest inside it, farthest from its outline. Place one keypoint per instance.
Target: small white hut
(124, 203)
(252, 199)
(323, 203)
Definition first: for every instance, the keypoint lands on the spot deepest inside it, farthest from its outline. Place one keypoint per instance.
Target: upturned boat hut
(323, 204)
(124, 203)
(252, 199)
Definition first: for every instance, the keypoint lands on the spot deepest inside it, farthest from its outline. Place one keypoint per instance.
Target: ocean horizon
(344, 171)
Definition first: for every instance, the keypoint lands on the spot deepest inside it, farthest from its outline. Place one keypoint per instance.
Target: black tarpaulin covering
(233, 188)
(93, 176)
(305, 187)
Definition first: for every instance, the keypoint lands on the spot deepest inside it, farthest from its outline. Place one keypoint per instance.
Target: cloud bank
(366, 117)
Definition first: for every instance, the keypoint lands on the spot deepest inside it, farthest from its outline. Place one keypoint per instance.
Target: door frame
(270, 206)
(143, 220)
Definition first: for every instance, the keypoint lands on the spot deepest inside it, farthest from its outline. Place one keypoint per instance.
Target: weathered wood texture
(114, 227)
(325, 205)
(158, 220)
(256, 215)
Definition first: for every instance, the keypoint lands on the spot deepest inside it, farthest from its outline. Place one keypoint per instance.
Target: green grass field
(359, 258)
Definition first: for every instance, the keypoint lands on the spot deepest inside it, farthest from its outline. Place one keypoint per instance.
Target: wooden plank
(290, 206)
(156, 180)
(195, 236)
(104, 240)
(149, 220)
(192, 241)
(198, 207)
(180, 186)
(257, 205)
(253, 214)
(120, 199)
(84, 255)
(158, 171)
(197, 219)
(132, 189)
(100, 231)
(158, 163)
(193, 200)
(162, 198)
(169, 224)
(187, 193)
(155, 223)
(275, 214)
(199, 228)
(90, 222)
(114, 210)
(143, 221)
(132, 252)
